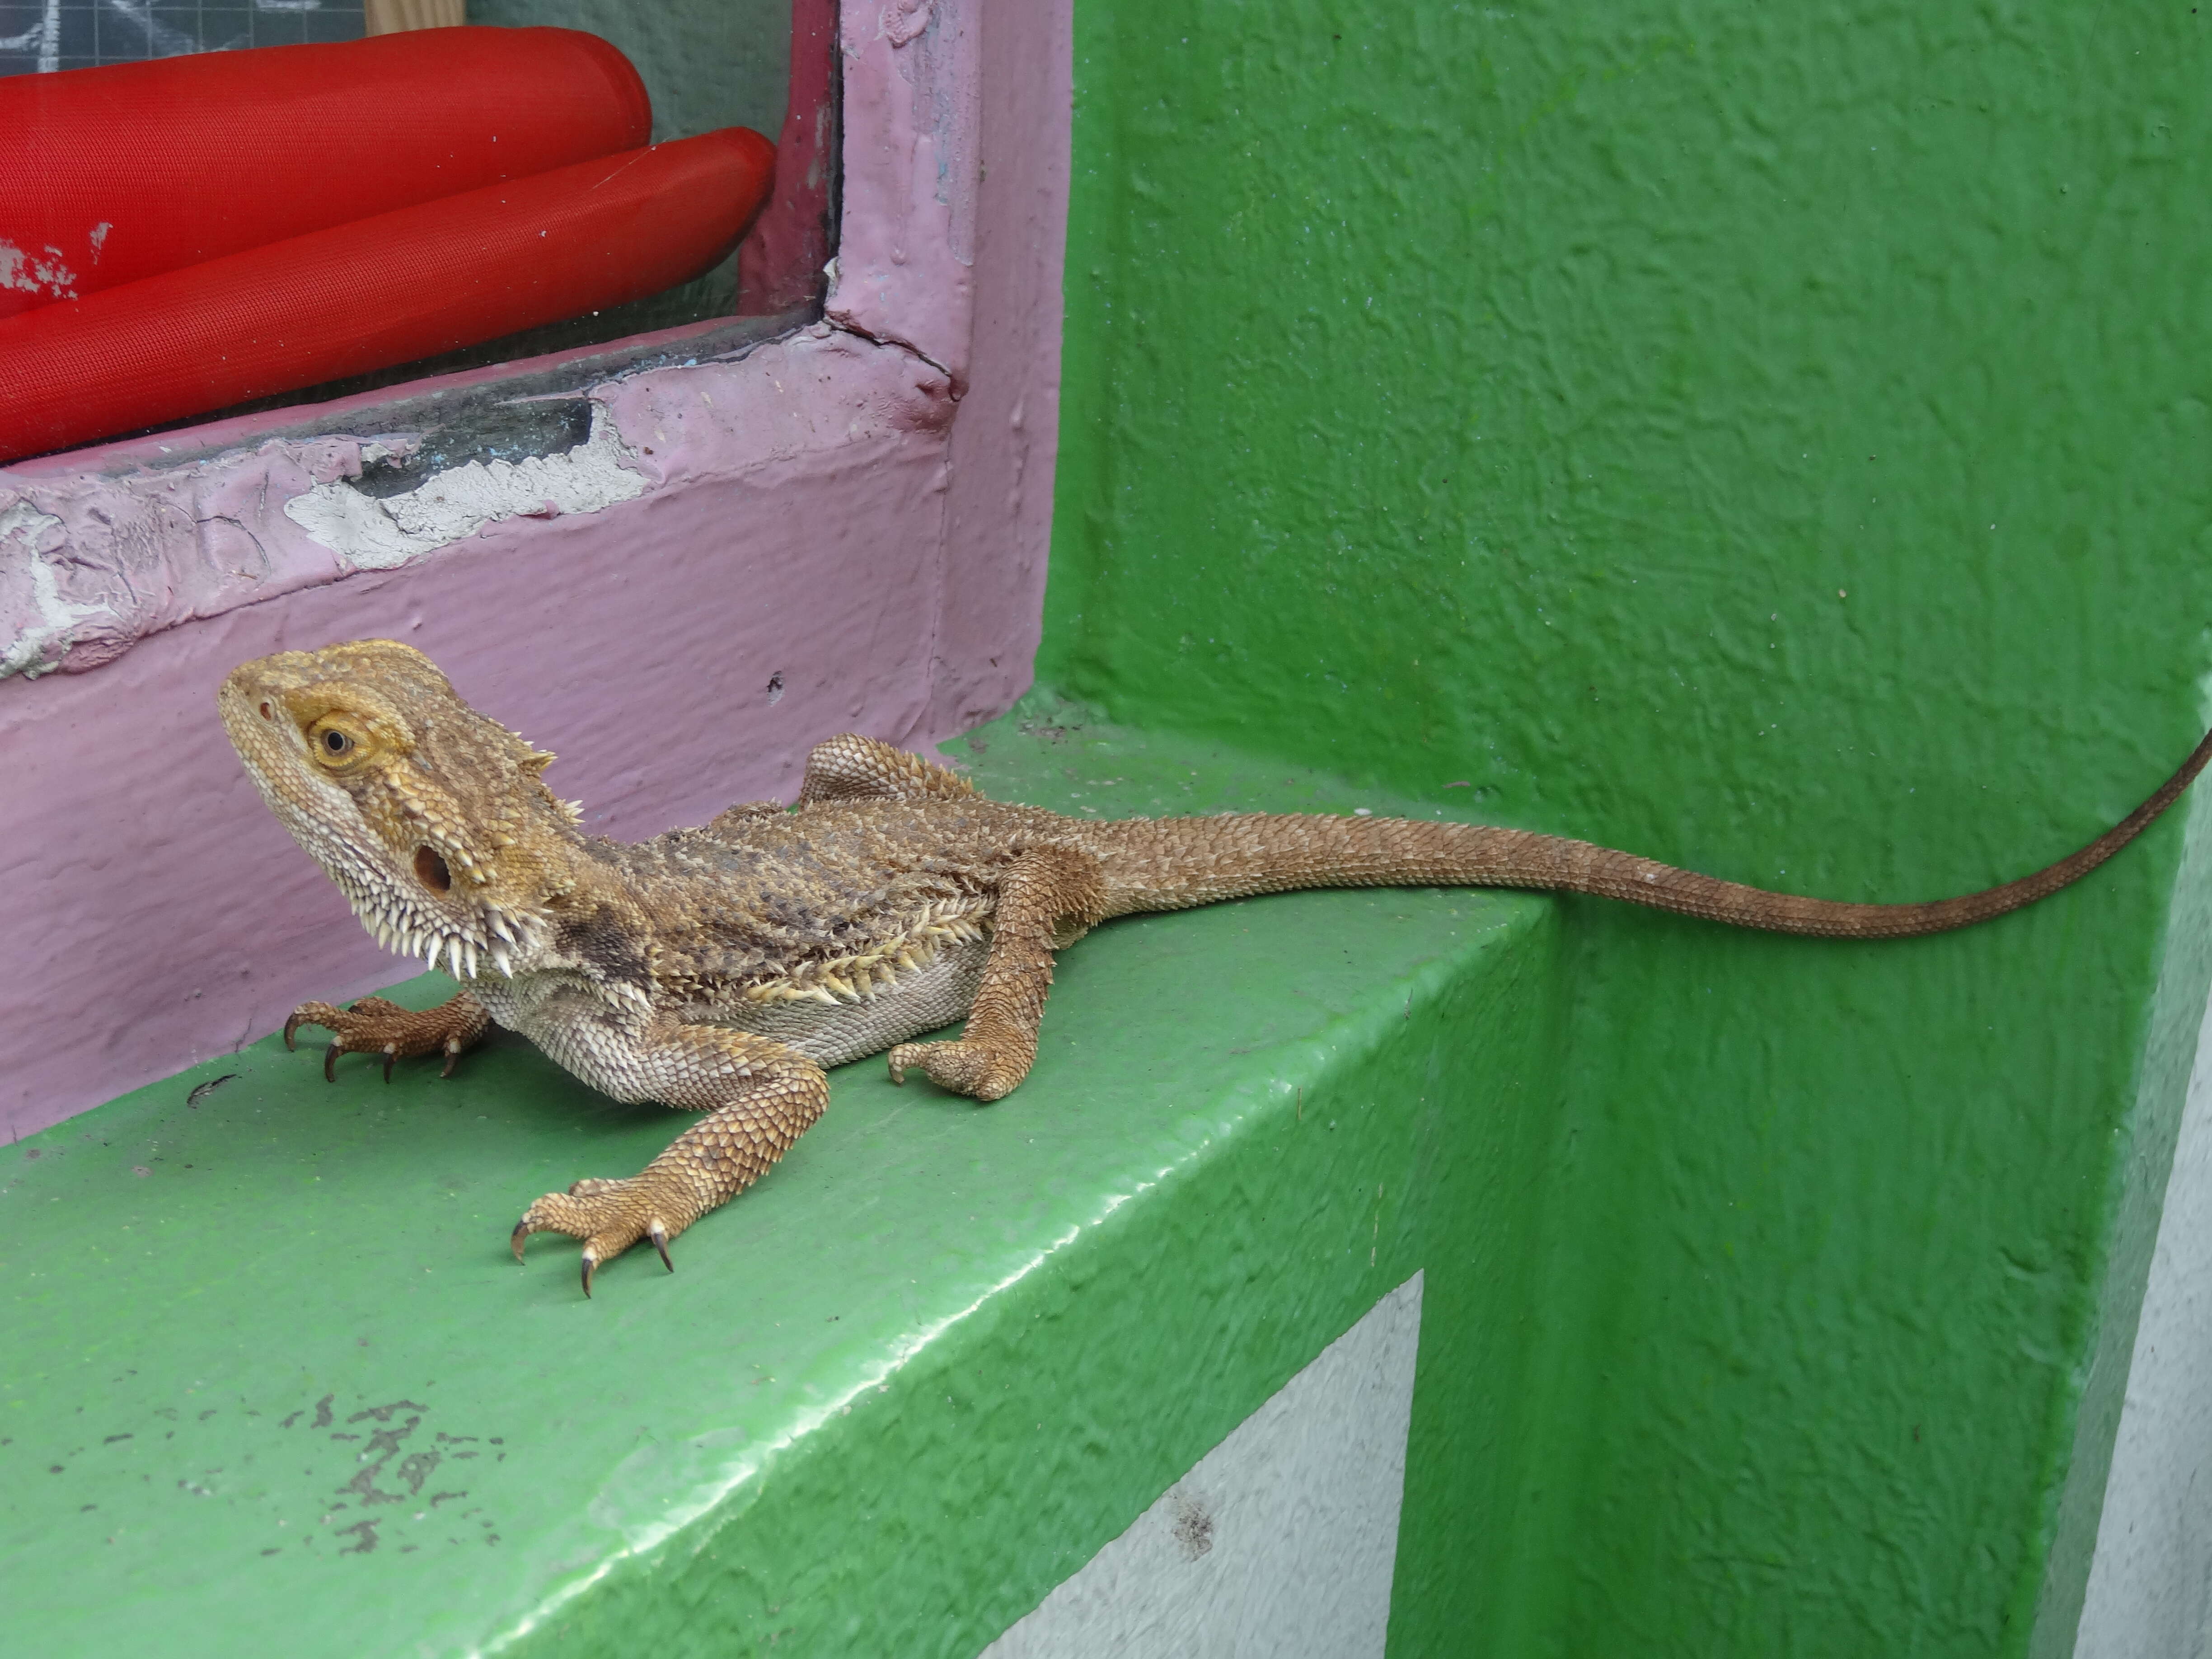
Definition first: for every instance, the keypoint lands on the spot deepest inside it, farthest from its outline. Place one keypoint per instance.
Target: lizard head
(432, 819)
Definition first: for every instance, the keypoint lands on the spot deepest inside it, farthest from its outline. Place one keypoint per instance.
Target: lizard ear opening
(430, 870)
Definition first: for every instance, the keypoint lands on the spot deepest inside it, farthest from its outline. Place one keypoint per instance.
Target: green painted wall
(1769, 438)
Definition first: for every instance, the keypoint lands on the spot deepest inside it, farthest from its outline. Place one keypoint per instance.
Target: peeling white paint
(140, 551)
(25, 655)
(355, 526)
(143, 548)
(380, 534)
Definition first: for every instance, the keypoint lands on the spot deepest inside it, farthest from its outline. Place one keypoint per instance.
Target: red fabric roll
(109, 175)
(379, 291)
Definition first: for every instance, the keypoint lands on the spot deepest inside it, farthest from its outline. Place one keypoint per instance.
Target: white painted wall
(1280, 1542)
(2150, 1581)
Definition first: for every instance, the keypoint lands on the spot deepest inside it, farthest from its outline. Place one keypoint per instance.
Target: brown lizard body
(720, 969)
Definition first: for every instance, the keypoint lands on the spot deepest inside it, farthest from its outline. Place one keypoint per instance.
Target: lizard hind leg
(855, 767)
(376, 1026)
(758, 1097)
(1048, 898)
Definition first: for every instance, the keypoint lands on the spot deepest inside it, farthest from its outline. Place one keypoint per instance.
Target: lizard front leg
(375, 1026)
(758, 1097)
(1048, 897)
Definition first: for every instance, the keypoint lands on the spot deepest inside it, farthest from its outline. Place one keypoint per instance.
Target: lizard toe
(966, 1068)
(607, 1216)
(311, 1013)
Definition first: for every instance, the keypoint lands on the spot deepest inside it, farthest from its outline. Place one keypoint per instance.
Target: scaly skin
(718, 970)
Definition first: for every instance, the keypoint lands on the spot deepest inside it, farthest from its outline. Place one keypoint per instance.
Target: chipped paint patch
(380, 534)
(143, 547)
(26, 654)
(93, 562)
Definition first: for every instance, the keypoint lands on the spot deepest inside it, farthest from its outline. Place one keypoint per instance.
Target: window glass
(706, 66)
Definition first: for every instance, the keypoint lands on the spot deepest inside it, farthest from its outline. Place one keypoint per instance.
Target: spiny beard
(461, 946)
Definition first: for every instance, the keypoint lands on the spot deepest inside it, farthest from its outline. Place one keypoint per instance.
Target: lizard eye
(430, 870)
(335, 746)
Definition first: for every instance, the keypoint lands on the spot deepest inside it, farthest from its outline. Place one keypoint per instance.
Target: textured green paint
(1769, 438)
(892, 1395)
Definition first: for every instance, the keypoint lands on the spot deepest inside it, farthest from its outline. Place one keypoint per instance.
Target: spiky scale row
(862, 975)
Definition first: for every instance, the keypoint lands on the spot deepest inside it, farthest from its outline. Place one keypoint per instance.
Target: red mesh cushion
(107, 175)
(376, 292)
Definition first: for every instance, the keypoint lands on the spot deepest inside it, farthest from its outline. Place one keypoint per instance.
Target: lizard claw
(609, 1217)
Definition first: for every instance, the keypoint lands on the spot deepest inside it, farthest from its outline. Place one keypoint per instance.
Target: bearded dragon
(720, 970)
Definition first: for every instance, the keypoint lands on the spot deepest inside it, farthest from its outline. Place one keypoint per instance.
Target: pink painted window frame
(856, 514)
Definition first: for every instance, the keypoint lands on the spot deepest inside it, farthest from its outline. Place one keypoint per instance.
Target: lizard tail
(1170, 863)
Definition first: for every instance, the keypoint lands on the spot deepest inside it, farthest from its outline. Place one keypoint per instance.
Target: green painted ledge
(270, 1381)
